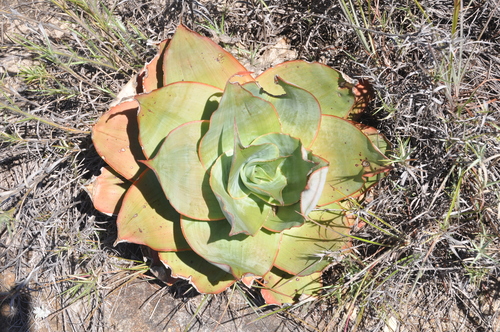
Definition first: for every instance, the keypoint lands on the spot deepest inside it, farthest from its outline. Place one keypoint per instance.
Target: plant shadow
(15, 309)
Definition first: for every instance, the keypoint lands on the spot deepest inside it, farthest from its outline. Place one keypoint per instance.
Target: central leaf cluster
(243, 163)
(274, 168)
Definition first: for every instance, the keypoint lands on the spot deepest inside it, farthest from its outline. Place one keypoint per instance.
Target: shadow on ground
(15, 305)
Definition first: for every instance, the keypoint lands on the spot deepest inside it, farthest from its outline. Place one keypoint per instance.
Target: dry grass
(435, 67)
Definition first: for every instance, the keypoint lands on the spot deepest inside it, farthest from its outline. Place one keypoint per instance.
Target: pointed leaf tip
(281, 287)
(107, 191)
(192, 57)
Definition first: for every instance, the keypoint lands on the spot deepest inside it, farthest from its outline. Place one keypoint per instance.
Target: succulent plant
(227, 177)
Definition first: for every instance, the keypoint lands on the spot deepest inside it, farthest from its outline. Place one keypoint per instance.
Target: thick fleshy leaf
(304, 249)
(299, 111)
(348, 151)
(281, 287)
(295, 168)
(253, 154)
(191, 57)
(236, 176)
(373, 176)
(181, 175)
(153, 71)
(284, 217)
(378, 140)
(240, 113)
(245, 214)
(333, 92)
(116, 139)
(315, 186)
(156, 266)
(147, 218)
(265, 179)
(107, 191)
(205, 277)
(164, 109)
(241, 255)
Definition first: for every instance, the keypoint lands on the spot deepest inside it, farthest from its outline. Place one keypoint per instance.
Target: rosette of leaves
(228, 177)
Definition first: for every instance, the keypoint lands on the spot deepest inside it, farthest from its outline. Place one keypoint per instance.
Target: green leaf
(265, 179)
(295, 167)
(164, 109)
(373, 176)
(247, 213)
(107, 191)
(304, 249)
(281, 287)
(378, 140)
(347, 150)
(181, 175)
(116, 139)
(240, 255)
(290, 177)
(261, 161)
(284, 217)
(327, 85)
(205, 277)
(191, 57)
(239, 112)
(299, 111)
(147, 218)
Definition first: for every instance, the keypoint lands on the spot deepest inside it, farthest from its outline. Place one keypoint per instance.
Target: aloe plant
(228, 177)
